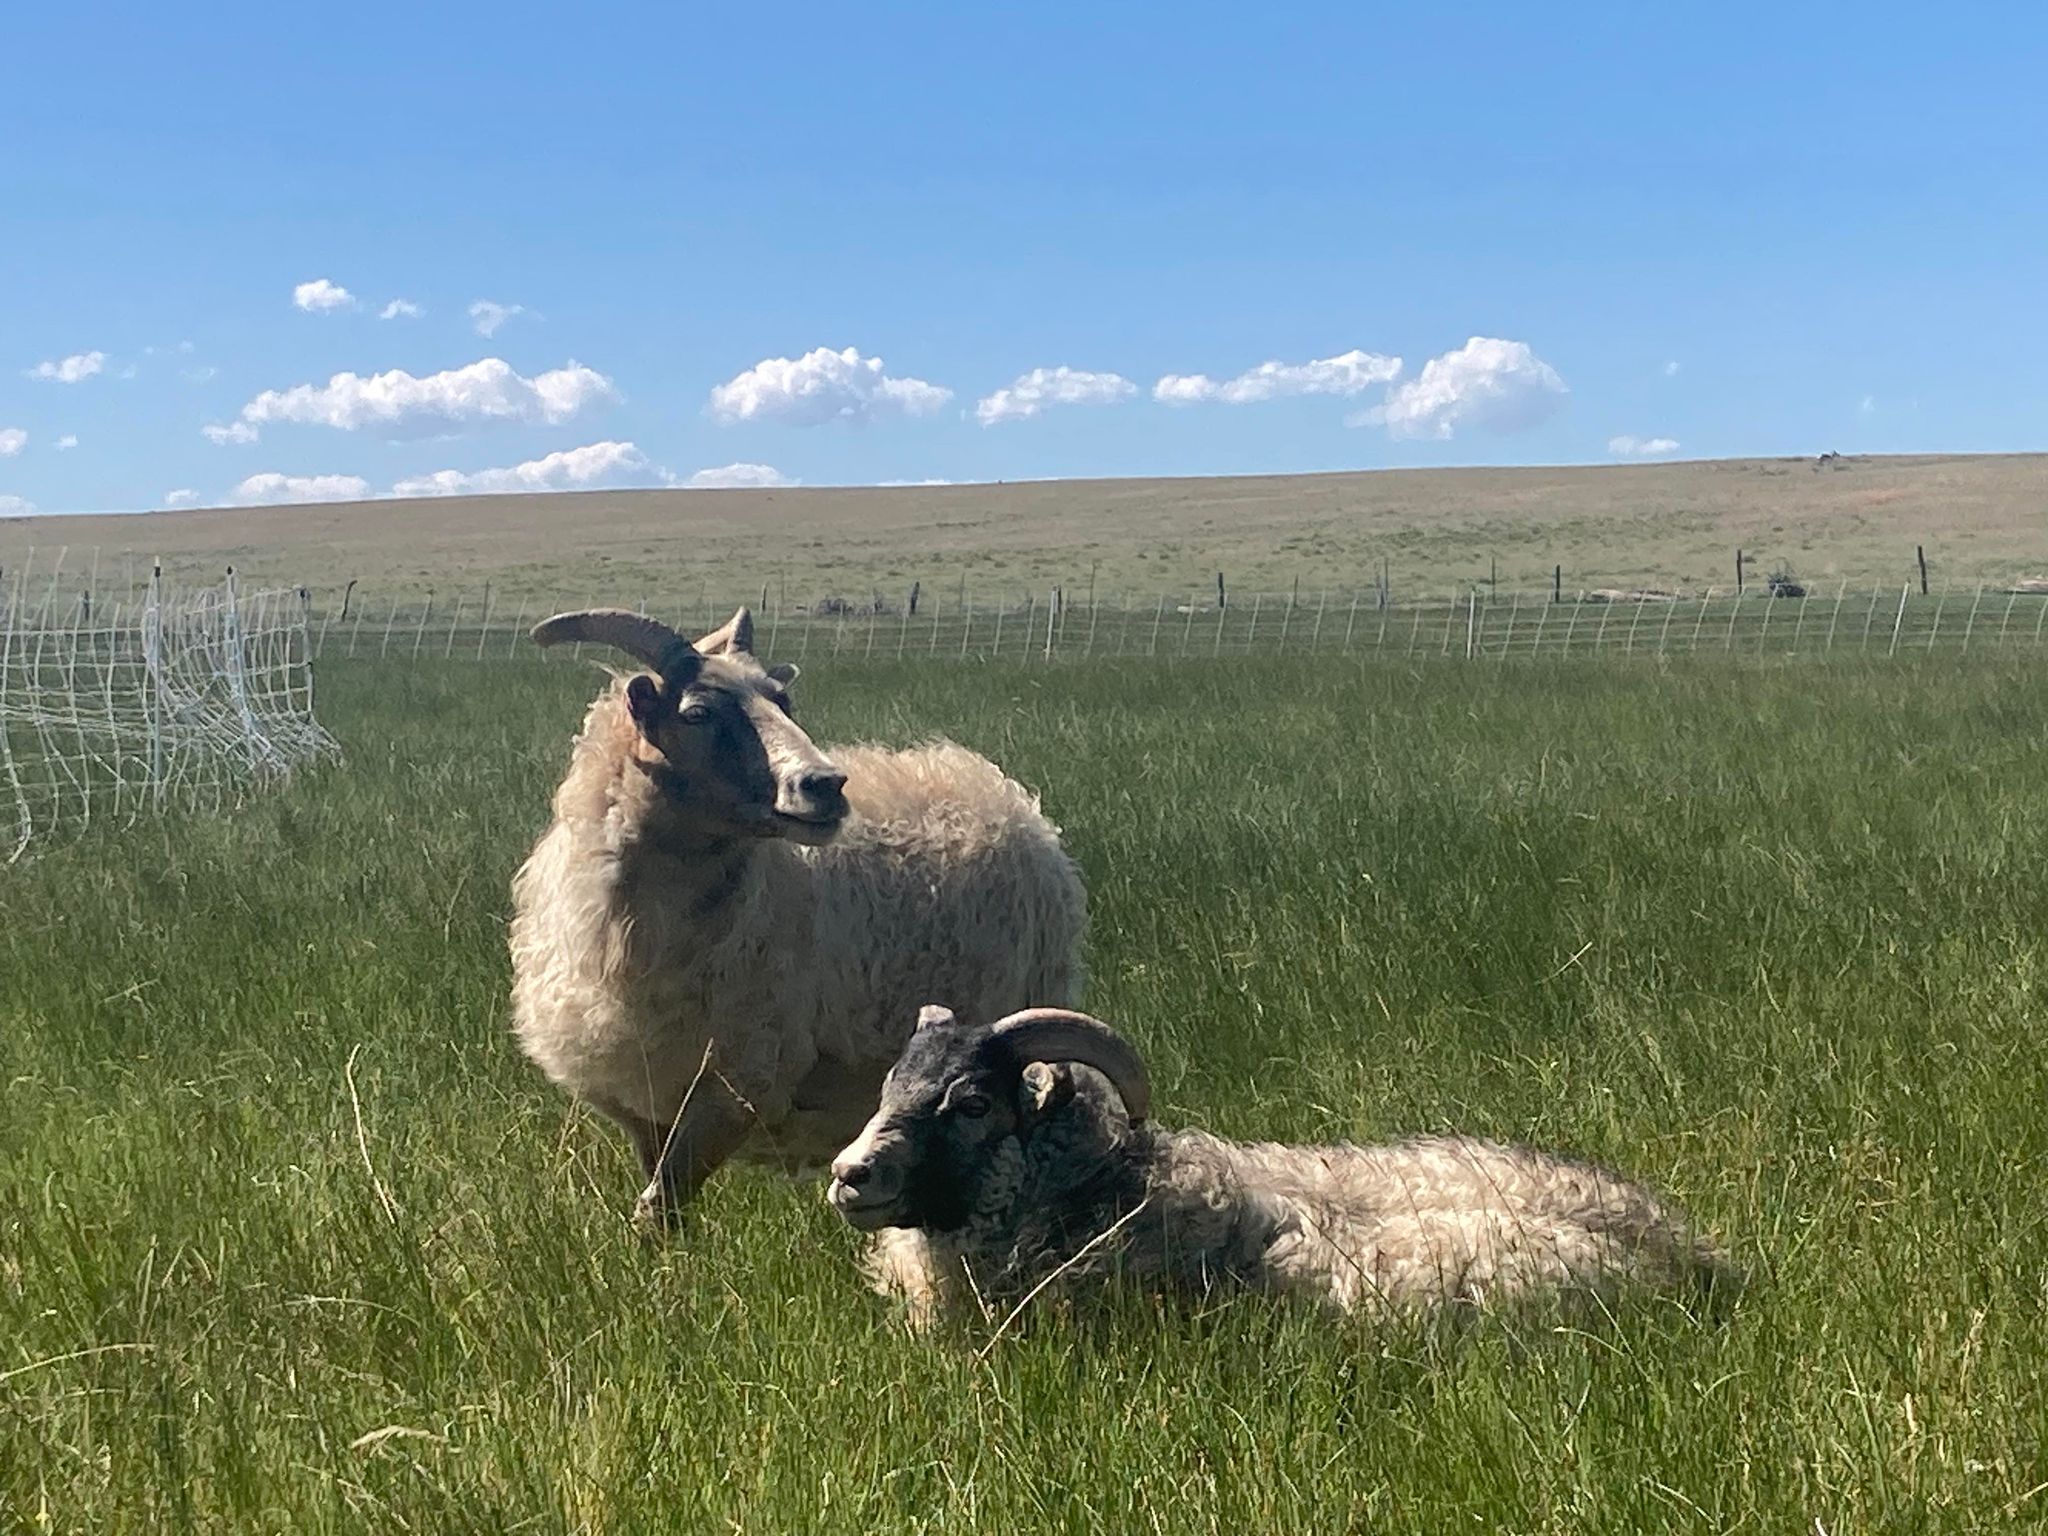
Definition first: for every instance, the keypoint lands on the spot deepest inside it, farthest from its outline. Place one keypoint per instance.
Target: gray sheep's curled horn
(646, 640)
(1061, 1034)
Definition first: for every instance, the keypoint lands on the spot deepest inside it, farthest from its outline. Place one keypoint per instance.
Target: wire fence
(185, 698)
(1874, 621)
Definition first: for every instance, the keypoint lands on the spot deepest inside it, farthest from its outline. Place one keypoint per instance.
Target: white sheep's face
(952, 1106)
(729, 755)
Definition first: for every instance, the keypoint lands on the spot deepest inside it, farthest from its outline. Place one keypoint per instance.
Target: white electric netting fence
(180, 699)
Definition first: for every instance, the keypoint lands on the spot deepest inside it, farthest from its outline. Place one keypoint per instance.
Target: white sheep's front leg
(712, 1126)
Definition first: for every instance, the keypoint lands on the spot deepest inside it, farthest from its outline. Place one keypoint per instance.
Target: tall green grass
(291, 1238)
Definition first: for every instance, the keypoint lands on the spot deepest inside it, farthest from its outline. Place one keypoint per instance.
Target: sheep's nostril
(853, 1175)
(826, 784)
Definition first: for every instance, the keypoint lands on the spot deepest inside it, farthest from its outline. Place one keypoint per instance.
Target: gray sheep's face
(934, 1147)
(730, 756)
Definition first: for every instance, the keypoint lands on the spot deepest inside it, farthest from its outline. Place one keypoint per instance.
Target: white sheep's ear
(1048, 1085)
(734, 637)
(932, 1016)
(785, 672)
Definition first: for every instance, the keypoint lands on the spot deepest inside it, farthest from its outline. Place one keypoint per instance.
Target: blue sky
(1586, 233)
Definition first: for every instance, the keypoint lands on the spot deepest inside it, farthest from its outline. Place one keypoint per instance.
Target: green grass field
(291, 1238)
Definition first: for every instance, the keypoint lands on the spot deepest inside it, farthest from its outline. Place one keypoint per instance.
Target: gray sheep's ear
(643, 700)
(735, 636)
(932, 1016)
(1048, 1085)
(785, 672)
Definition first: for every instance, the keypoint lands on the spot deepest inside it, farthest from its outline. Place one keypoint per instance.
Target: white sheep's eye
(696, 714)
(972, 1105)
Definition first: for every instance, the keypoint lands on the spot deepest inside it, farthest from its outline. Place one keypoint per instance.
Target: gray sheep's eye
(972, 1105)
(697, 714)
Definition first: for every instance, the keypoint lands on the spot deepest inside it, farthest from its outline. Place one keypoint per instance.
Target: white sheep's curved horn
(735, 634)
(1061, 1034)
(646, 640)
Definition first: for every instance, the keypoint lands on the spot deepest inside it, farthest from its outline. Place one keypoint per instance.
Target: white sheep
(985, 1175)
(722, 939)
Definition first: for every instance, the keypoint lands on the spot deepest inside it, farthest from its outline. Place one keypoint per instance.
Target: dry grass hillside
(1671, 525)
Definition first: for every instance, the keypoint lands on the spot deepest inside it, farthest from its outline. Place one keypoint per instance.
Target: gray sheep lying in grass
(992, 1169)
(722, 939)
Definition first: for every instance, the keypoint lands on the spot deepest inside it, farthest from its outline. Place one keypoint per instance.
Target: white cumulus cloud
(321, 297)
(1490, 384)
(67, 442)
(182, 498)
(273, 487)
(400, 309)
(1347, 374)
(1671, 369)
(12, 441)
(486, 390)
(822, 386)
(1032, 392)
(736, 477)
(487, 316)
(1629, 447)
(69, 370)
(592, 464)
(16, 506)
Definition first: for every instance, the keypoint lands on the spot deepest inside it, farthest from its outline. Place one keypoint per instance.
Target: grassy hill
(1981, 517)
